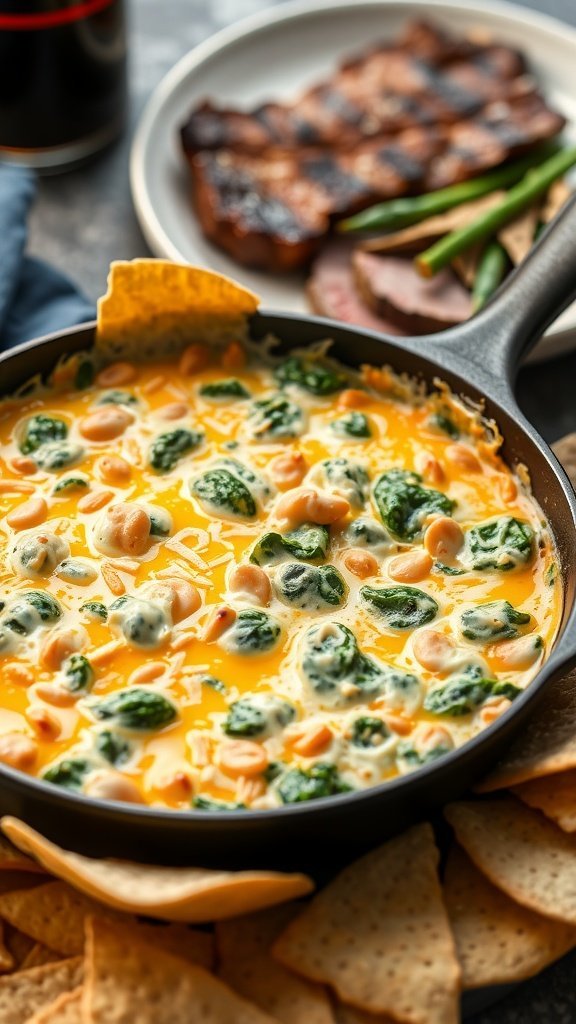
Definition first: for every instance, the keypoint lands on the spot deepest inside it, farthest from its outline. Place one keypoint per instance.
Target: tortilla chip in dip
(155, 306)
(379, 935)
(174, 894)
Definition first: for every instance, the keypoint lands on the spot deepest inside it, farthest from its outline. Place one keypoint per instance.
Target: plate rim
(151, 226)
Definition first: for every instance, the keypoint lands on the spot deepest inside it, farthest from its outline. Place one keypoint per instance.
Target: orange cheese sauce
(188, 757)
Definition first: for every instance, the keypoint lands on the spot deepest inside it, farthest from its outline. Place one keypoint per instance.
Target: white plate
(274, 55)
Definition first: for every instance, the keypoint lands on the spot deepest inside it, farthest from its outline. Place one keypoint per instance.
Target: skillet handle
(523, 307)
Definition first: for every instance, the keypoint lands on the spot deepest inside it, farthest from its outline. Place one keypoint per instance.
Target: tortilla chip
(466, 264)
(53, 914)
(12, 859)
(64, 1010)
(558, 193)
(155, 307)
(246, 964)
(517, 236)
(418, 236)
(554, 795)
(38, 955)
(127, 981)
(521, 852)
(547, 744)
(174, 894)
(498, 941)
(24, 993)
(565, 452)
(379, 934)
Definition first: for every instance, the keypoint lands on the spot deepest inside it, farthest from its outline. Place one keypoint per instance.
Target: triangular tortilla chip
(7, 958)
(155, 307)
(127, 981)
(554, 795)
(24, 993)
(498, 941)
(517, 236)
(521, 852)
(379, 934)
(246, 964)
(64, 1010)
(11, 859)
(547, 745)
(174, 894)
(20, 945)
(55, 914)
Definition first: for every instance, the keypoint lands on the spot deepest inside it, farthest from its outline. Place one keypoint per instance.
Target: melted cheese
(202, 543)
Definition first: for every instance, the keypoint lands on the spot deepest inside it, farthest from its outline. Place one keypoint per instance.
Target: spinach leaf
(347, 478)
(448, 570)
(319, 780)
(160, 521)
(257, 716)
(136, 708)
(205, 803)
(213, 683)
(400, 607)
(353, 424)
(84, 375)
(30, 609)
(502, 543)
(69, 773)
(367, 533)
(330, 656)
(445, 424)
(70, 484)
(253, 632)
(220, 491)
(40, 430)
(276, 418)
(497, 620)
(58, 455)
(167, 449)
(309, 375)
(113, 747)
(403, 503)
(74, 570)
(38, 554)
(256, 484)
(142, 623)
(229, 388)
(462, 695)
(95, 610)
(369, 732)
(117, 398)
(308, 543)
(310, 587)
(414, 758)
(78, 673)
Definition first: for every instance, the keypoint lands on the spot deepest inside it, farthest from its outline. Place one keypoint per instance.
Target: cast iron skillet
(477, 359)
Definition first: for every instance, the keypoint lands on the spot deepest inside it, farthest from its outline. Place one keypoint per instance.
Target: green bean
(534, 183)
(489, 274)
(400, 213)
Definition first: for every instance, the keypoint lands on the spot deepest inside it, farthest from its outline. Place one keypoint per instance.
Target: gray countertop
(84, 219)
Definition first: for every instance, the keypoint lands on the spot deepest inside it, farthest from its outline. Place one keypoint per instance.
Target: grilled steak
(332, 292)
(392, 288)
(425, 112)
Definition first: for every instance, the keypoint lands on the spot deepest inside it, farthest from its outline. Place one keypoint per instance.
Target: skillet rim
(558, 661)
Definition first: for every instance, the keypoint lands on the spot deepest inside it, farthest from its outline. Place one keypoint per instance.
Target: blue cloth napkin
(35, 299)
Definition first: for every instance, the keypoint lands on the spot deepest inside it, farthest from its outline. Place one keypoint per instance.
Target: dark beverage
(62, 79)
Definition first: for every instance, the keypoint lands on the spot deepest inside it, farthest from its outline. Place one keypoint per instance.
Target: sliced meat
(332, 292)
(394, 290)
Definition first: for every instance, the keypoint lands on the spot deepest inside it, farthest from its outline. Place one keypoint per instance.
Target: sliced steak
(332, 292)
(394, 290)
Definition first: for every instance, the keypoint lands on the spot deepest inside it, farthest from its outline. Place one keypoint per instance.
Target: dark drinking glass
(62, 79)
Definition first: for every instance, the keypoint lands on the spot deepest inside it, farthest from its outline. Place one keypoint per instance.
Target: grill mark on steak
(424, 113)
